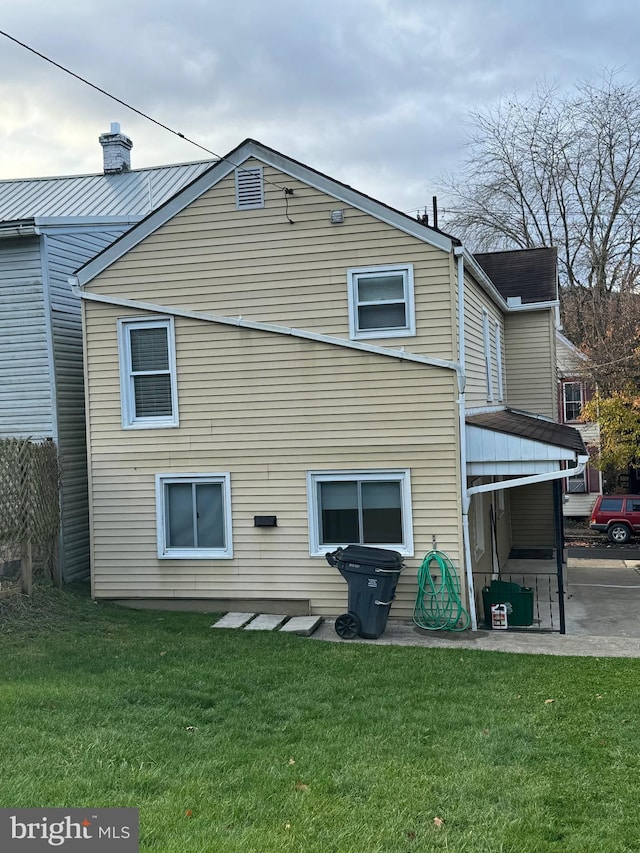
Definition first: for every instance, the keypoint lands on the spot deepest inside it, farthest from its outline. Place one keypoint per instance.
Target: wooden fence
(29, 512)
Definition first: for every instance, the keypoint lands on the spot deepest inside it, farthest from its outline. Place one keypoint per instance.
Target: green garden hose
(438, 606)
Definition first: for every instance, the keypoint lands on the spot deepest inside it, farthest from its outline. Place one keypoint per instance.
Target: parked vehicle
(618, 516)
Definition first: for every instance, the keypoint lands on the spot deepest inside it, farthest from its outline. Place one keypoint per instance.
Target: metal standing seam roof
(530, 426)
(132, 193)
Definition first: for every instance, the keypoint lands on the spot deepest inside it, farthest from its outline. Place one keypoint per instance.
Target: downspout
(464, 493)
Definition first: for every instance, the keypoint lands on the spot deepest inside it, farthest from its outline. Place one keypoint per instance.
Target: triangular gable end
(223, 167)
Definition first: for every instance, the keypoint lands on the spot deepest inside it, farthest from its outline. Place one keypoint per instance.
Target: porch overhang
(511, 443)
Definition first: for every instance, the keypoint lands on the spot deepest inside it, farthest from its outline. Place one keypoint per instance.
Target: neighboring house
(48, 227)
(277, 365)
(574, 390)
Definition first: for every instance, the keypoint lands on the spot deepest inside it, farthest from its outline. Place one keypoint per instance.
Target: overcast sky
(372, 92)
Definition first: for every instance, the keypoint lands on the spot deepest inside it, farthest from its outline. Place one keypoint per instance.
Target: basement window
(360, 508)
(193, 516)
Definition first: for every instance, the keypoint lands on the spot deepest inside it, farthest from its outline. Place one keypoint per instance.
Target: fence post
(26, 567)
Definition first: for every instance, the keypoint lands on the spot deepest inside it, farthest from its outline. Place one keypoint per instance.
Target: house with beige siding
(277, 365)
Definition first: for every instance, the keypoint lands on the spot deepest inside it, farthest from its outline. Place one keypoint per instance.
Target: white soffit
(497, 453)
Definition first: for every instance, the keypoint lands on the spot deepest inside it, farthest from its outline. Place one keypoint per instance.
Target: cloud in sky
(373, 92)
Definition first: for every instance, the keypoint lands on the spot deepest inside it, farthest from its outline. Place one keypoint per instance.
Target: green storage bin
(519, 601)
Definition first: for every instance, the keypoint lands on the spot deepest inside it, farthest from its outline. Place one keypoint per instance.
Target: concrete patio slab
(266, 622)
(234, 620)
(304, 626)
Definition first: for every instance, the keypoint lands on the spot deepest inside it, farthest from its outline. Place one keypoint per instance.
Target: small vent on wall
(249, 188)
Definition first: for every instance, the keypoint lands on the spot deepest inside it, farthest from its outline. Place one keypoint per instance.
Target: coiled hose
(438, 606)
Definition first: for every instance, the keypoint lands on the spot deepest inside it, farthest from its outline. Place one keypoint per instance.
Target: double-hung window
(193, 516)
(360, 508)
(148, 388)
(573, 400)
(381, 303)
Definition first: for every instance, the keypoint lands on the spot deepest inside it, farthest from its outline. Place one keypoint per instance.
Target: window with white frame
(487, 354)
(148, 389)
(193, 516)
(499, 361)
(577, 484)
(381, 302)
(573, 400)
(360, 508)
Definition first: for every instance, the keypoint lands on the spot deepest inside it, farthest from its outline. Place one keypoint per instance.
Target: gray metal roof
(134, 193)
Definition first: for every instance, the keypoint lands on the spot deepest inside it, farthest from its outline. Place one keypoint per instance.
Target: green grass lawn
(252, 742)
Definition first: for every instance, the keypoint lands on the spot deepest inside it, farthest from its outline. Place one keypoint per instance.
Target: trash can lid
(382, 558)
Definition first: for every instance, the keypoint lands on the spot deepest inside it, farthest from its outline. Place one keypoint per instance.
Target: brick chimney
(116, 148)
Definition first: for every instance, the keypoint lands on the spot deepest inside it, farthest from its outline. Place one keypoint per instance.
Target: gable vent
(249, 188)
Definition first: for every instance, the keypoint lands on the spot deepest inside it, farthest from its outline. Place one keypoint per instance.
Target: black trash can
(372, 575)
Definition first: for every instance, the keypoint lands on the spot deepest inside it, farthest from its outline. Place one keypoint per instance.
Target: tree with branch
(563, 169)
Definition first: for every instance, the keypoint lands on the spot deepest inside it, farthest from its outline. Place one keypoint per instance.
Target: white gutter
(155, 308)
(531, 479)
(461, 254)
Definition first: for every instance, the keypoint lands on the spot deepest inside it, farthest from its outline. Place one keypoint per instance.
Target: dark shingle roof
(528, 273)
(530, 426)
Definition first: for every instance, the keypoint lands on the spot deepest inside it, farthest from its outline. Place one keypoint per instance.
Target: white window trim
(127, 398)
(401, 475)
(499, 361)
(585, 482)
(165, 553)
(409, 330)
(487, 354)
(255, 172)
(565, 401)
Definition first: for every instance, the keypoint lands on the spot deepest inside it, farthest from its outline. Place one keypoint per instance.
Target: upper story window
(249, 188)
(499, 362)
(487, 354)
(572, 400)
(381, 302)
(148, 390)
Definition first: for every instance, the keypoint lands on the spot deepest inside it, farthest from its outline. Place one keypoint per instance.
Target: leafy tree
(619, 418)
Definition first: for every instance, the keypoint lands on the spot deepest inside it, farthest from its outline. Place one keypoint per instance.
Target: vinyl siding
(532, 516)
(253, 263)
(25, 379)
(530, 346)
(267, 408)
(475, 366)
(64, 253)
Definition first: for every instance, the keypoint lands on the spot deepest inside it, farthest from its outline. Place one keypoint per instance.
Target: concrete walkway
(407, 634)
(602, 619)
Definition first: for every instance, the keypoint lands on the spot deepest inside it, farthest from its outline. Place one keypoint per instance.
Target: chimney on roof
(116, 148)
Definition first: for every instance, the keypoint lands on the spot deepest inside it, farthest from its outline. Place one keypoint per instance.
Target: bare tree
(557, 169)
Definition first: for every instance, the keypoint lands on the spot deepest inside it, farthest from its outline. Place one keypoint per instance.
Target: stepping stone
(304, 626)
(265, 622)
(234, 620)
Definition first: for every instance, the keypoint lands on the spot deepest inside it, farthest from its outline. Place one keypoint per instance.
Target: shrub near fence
(29, 511)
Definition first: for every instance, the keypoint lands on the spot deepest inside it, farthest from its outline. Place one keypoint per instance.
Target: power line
(127, 105)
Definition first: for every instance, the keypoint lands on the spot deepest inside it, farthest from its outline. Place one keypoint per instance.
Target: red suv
(618, 516)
